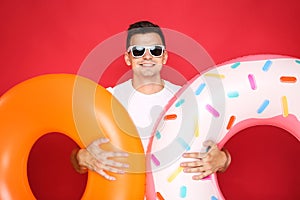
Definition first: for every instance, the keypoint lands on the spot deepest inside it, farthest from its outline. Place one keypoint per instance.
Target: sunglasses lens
(156, 51)
(138, 51)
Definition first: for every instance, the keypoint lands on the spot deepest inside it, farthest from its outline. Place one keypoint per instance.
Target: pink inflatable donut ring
(215, 106)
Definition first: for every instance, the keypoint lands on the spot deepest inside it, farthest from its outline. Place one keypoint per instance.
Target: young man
(144, 96)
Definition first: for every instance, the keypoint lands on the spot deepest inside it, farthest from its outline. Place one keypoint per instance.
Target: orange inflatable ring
(78, 108)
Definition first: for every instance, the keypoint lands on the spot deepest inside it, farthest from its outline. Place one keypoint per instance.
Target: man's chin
(149, 72)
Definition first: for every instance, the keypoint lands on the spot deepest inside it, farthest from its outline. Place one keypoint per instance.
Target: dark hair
(143, 27)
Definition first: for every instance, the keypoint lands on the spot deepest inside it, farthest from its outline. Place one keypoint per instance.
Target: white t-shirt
(144, 109)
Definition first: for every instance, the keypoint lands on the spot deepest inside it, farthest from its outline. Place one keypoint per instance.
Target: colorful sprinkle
(158, 135)
(155, 160)
(288, 79)
(285, 108)
(263, 106)
(179, 103)
(207, 178)
(267, 65)
(196, 132)
(159, 196)
(215, 75)
(183, 143)
(252, 82)
(183, 191)
(235, 65)
(233, 94)
(297, 61)
(231, 122)
(208, 148)
(200, 88)
(213, 111)
(213, 198)
(170, 117)
(175, 174)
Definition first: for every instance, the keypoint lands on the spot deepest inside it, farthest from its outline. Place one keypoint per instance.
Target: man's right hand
(98, 160)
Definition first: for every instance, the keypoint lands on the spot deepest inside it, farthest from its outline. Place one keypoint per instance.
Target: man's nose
(147, 54)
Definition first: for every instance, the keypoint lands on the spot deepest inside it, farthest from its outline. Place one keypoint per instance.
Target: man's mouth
(147, 64)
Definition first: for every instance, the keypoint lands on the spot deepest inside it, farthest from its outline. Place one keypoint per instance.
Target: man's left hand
(207, 163)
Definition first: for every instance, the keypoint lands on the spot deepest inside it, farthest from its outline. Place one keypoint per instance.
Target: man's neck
(148, 85)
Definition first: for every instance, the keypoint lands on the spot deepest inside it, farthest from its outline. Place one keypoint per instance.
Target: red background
(54, 36)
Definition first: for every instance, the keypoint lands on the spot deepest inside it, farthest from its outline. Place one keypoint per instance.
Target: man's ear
(165, 57)
(127, 58)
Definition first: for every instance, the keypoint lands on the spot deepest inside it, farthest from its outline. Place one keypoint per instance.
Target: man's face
(146, 65)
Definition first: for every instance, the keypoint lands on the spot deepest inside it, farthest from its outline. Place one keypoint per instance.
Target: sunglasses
(139, 51)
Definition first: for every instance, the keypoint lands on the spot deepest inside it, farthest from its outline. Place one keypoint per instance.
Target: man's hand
(98, 160)
(207, 163)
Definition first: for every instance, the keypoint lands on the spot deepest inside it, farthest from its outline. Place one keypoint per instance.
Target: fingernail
(106, 139)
